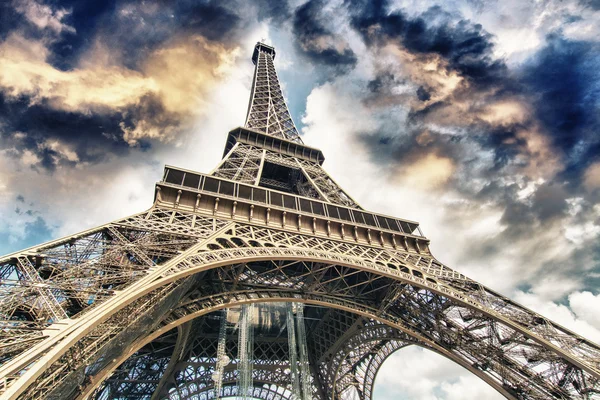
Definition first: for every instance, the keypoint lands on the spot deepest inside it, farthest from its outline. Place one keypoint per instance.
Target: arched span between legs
(398, 336)
(198, 260)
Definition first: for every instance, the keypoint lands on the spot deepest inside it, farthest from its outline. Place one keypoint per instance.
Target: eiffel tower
(262, 279)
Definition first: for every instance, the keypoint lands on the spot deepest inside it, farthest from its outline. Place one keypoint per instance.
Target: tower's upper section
(264, 48)
(267, 111)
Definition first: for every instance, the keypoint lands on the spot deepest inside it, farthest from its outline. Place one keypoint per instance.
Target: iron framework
(132, 309)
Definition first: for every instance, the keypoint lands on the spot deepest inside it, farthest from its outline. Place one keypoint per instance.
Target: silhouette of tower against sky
(261, 279)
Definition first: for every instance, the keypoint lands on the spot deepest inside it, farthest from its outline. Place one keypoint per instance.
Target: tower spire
(267, 110)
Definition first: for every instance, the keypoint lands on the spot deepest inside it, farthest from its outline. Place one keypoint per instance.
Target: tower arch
(267, 225)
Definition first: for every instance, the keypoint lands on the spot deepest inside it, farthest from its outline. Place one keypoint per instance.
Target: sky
(479, 119)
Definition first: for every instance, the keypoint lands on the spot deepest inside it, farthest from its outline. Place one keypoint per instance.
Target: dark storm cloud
(382, 83)
(10, 19)
(319, 43)
(134, 29)
(549, 201)
(86, 17)
(560, 82)
(467, 47)
(423, 94)
(94, 137)
(131, 31)
(504, 140)
(277, 11)
(208, 19)
(563, 79)
(467, 51)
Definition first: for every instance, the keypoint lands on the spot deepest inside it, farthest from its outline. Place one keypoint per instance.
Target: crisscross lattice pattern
(268, 112)
(131, 309)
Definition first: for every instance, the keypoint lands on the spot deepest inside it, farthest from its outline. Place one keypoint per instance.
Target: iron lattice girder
(274, 145)
(206, 194)
(76, 309)
(261, 392)
(505, 343)
(267, 111)
(85, 269)
(195, 376)
(243, 163)
(193, 371)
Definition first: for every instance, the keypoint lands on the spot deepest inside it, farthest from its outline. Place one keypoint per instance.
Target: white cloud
(43, 16)
(414, 373)
(585, 305)
(580, 316)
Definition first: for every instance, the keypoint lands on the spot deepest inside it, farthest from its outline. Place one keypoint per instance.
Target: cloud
(465, 46)
(317, 41)
(585, 306)
(26, 73)
(276, 11)
(427, 173)
(441, 69)
(579, 316)
(419, 374)
(43, 16)
(564, 84)
(186, 68)
(209, 20)
(114, 106)
(592, 176)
